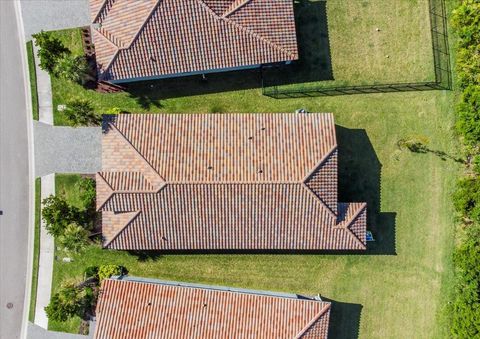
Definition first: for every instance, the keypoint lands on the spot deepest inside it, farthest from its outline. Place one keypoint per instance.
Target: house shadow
(359, 176)
(150, 93)
(344, 320)
(315, 60)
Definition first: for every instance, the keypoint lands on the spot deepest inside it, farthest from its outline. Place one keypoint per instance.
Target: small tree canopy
(50, 50)
(57, 214)
(72, 68)
(66, 303)
(81, 112)
(74, 238)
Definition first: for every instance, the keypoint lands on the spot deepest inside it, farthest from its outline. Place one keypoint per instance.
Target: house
(217, 182)
(152, 39)
(131, 307)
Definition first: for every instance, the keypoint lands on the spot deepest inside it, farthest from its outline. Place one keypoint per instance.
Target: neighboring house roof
(224, 181)
(151, 38)
(141, 308)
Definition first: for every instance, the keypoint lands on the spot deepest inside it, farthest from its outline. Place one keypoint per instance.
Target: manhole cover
(9, 305)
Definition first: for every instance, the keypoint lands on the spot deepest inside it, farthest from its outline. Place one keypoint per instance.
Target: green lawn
(401, 286)
(36, 250)
(33, 79)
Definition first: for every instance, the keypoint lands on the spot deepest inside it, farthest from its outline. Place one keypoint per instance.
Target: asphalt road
(14, 178)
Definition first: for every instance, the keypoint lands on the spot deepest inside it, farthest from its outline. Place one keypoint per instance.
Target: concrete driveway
(67, 149)
(53, 14)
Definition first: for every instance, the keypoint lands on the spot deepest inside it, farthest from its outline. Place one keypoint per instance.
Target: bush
(88, 193)
(466, 198)
(107, 271)
(66, 303)
(466, 305)
(74, 238)
(81, 112)
(468, 111)
(91, 272)
(57, 214)
(51, 50)
(72, 68)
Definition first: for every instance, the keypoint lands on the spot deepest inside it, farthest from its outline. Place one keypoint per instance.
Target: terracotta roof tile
(155, 38)
(229, 181)
(134, 309)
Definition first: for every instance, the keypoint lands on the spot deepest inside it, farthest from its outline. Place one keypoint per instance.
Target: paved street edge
(31, 178)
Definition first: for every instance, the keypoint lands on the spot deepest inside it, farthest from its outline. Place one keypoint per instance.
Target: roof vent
(210, 167)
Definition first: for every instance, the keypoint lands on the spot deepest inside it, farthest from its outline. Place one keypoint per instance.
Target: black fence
(441, 60)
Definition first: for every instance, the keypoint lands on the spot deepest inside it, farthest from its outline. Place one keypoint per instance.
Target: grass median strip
(36, 250)
(33, 79)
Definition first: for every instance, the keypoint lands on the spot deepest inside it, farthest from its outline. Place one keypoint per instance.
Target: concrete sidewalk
(44, 89)
(45, 266)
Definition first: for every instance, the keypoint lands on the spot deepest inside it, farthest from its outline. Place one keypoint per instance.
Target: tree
(57, 214)
(109, 270)
(67, 302)
(74, 238)
(72, 68)
(81, 112)
(50, 50)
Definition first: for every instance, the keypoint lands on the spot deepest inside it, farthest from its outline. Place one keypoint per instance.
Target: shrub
(466, 198)
(109, 270)
(50, 50)
(88, 193)
(81, 112)
(468, 111)
(57, 214)
(114, 110)
(91, 272)
(67, 302)
(466, 304)
(74, 238)
(72, 68)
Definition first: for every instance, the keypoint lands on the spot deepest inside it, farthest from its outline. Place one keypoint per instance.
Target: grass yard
(400, 287)
(33, 79)
(36, 250)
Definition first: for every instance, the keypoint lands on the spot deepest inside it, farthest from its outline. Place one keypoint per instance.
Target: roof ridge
(349, 223)
(111, 189)
(136, 150)
(243, 28)
(320, 200)
(136, 213)
(234, 7)
(135, 36)
(151, 188)
(320, 164)
(313, 321)
(100, 10)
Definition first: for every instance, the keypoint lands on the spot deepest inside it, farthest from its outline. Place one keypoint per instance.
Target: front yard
(400, 287)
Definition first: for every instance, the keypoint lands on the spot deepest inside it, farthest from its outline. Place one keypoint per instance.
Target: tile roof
(224, 181)
(139, 308)
(148, 38)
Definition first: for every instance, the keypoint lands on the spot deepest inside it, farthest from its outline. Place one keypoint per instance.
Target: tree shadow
(344, 320)
(359, 175)
(315, 61)
(146, 255)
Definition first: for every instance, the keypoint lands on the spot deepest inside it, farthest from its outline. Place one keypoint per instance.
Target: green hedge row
(466, 302)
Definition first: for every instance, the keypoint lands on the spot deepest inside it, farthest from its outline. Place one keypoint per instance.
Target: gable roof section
(131, 308)
(224, 181)
(164, 37)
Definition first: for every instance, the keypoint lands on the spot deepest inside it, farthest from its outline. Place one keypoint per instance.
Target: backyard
(400, 287)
